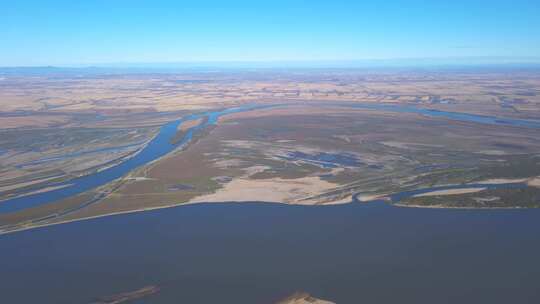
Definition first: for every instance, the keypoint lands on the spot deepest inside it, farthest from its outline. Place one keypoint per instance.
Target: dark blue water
(161, 145)
(256, 253)
(155, 149)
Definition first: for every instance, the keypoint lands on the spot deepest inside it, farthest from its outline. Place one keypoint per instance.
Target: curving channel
(161, 146)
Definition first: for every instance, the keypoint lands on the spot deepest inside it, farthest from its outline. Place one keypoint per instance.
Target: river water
(156, 148)
(256, 253)
(260, 252)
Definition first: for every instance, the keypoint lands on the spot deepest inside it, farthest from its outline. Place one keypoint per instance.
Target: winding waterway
(161, 145)
(260, 252)
(483, 119)
(156, 148)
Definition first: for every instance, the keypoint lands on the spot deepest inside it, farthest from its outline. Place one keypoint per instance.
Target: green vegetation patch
(528, 197)
(513, 166)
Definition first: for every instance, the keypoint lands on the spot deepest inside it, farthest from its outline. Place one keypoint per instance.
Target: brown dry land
(313, 151)
(39, 98)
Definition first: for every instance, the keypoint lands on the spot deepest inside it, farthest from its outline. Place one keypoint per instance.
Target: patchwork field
(315, 147)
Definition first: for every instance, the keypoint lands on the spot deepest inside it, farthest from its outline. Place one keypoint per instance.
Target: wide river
(259, 252)
(256, 253)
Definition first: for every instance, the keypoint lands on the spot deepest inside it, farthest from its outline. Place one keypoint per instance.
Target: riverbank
(340, 156)
(390, 199)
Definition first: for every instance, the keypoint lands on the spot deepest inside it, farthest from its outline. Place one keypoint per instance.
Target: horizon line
(337, 63)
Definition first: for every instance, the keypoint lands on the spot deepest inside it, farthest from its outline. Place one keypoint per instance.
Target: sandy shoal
(451, 192)
(535, 182)
(288, 191)
(496, 181)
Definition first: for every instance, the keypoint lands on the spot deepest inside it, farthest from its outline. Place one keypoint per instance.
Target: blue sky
(117, 31)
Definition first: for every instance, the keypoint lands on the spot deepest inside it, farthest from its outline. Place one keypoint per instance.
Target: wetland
(274, 187)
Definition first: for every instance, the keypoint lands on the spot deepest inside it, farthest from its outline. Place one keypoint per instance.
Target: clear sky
(43, 32)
